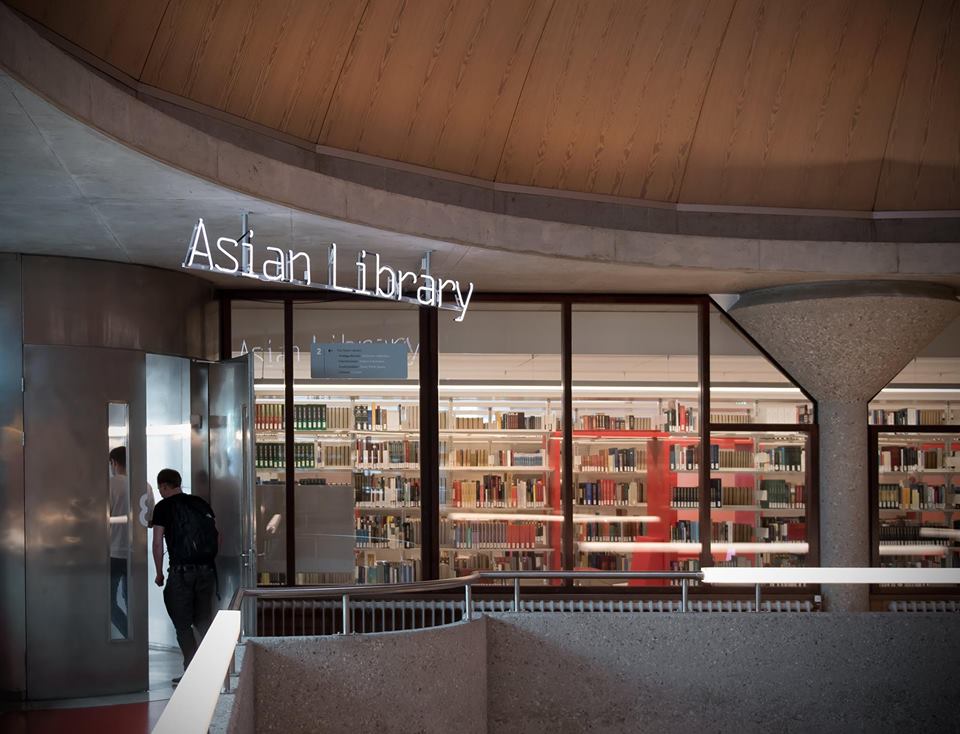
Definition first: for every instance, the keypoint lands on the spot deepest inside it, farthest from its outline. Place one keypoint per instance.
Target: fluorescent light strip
(939, 533)
(815, 575)
(912, 550)
(517, 516)
(693, 548)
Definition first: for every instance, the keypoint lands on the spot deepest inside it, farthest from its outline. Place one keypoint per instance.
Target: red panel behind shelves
(556, 528)
(660, 482)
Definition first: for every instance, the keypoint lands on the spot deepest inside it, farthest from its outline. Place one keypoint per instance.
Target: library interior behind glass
(632, 444)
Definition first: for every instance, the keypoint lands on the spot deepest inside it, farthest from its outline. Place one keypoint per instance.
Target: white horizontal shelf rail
(754, 576)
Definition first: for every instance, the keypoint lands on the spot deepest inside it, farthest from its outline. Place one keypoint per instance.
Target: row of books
(495, 421)
(341, 456)
(911, 458)
(610, 492)
(389, 454)
(775, 530)
(322, 417)
(688, 531)
(917, 496)
(387, 531)
(780, 494)
(518, 560)
(604, 422)
(612, 460)
(490, 457)
(403, 417)
(723, 458)
(493, 491)
(610, 531)
(899, 534)
(908, 417)
(386, 490)
(683, 458)
(784, 458)
(388, 572)
(741, 417)
(684, 497)
(273, 456)
(491, 534)
(679, 417)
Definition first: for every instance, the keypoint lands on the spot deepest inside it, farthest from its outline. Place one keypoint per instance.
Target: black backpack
(195, 539)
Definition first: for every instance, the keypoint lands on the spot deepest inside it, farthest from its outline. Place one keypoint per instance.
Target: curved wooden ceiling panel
(117, 32)
(819, 104)
(612, 98)
(921, 169)
(435, 82)
(800, 104)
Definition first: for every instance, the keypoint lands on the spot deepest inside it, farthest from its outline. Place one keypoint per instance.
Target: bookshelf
(345, 437)
(915, 493)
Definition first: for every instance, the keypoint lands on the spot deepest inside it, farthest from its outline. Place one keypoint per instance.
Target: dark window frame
(429, 432)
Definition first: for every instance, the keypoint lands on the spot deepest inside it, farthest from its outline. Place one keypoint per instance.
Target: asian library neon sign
(236, 257)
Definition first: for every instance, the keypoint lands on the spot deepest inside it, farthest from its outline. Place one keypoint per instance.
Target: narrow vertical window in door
(121, 528)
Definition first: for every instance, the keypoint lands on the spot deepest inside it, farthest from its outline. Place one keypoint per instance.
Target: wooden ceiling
(817, 104)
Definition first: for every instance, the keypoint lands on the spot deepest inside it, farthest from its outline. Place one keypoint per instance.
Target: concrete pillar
(843, 342)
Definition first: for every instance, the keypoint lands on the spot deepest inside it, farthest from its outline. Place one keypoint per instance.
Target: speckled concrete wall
(570, 673)
(430, 681)
(844, 342)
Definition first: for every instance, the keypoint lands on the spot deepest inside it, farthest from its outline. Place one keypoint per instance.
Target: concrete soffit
(743, 247)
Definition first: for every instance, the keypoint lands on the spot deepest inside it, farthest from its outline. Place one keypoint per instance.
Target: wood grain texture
(800, 104)
(819, 104)
(612, 99)
(118, 32)
(273, 63)
(435, 82)
(921, 169)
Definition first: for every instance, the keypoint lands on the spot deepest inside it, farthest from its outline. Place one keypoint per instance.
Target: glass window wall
(500, 418)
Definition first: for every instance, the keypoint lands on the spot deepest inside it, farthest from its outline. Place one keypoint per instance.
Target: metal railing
(755, 577)
(217, 649)
(346, 593)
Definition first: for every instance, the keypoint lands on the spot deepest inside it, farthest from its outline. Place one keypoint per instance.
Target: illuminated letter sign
(374, 279)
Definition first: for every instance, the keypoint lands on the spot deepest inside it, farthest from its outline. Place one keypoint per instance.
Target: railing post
(233, 664)
(345, 604)
(683, 595)
(516, 594)
(756, 599)
(467, 603)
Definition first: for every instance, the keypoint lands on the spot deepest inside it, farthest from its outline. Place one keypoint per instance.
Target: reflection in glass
(918, 499)
(500, 418)
(635, 438)
(121, 530)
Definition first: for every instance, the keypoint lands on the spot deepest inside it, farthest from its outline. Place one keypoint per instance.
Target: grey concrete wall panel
(235, 712)
(571, 673)
(13, 671)
(91, 303)
(432, 681)
(70, 653)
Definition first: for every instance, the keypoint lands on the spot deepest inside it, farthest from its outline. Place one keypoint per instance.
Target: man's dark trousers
(189, 598)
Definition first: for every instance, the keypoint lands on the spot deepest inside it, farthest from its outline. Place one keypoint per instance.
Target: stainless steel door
(70, 652)
(230, 436)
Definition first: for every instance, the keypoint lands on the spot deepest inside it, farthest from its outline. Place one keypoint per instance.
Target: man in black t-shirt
(187, 524)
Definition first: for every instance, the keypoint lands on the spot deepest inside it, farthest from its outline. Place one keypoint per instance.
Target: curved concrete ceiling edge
(149, 128)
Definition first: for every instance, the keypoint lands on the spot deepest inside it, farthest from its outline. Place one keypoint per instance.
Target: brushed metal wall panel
(67, 532)
(92, 303)
(231, 471)
(13, 672)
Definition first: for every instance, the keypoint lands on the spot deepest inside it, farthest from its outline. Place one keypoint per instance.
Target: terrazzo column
(843, 342)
